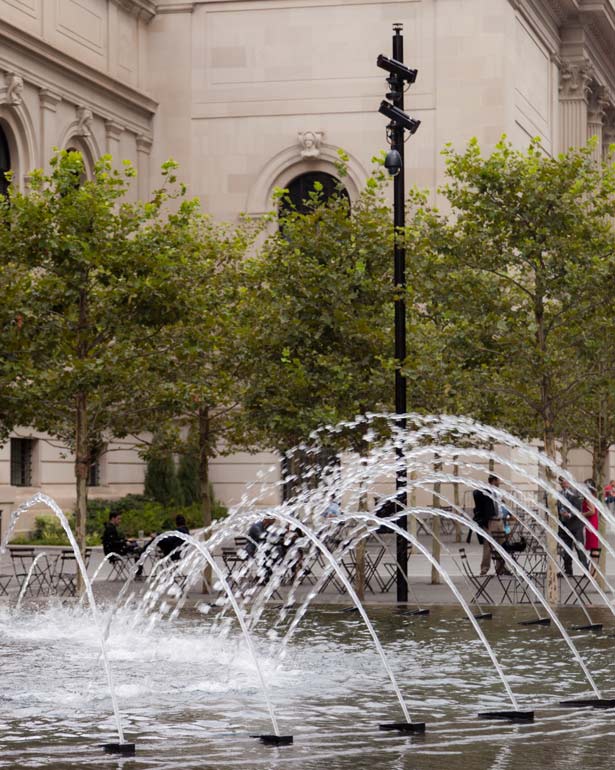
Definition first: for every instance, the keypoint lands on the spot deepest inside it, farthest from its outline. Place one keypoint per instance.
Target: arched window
(83, 177)
(5, 162)
(301, 186)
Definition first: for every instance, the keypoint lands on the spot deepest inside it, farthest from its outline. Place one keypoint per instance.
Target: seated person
(265, 546)
(114, 541)
(172, 545)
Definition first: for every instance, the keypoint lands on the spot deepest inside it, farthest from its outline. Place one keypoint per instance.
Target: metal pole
(399, 220)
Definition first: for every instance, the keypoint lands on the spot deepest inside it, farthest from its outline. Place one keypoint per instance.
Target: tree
(529, 255)
(320, 307)
(190, 393)
(531, 250)
(100, 277)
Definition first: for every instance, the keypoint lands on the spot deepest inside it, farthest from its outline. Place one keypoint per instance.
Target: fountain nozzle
(119, 748)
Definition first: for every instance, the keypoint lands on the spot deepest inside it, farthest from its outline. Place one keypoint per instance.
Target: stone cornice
(142, 9)
(12, 37)
(175, 7)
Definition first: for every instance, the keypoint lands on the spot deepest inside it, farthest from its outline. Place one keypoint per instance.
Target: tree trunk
(548, 421)
(600, 464)
(412, 523)
(360, 571)
(552, 584)
(206, 503)
(436, 528)
(456, 502)
(360, 549)
(82, 466)
(564, 450)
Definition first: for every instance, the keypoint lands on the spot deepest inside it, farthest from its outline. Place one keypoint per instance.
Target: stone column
(144, 148)
(48, 102)
(608, 132)
(574, 82)
(113, 132)
(596, 110)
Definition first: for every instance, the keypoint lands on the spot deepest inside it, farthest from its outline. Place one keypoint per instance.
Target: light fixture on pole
(399, 77)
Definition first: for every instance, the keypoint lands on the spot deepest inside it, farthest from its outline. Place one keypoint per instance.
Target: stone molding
(49, 99)
(288, 163)
(176, 8)
(113, 130)
(144, 144)
(54, 60)
(142, 9)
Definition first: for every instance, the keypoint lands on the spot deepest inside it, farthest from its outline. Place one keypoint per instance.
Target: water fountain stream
(138, 614)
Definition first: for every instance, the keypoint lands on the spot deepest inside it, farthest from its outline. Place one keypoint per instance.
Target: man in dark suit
(571, 528)
(489, 514)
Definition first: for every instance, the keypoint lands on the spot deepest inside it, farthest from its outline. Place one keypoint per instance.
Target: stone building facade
(249, 94)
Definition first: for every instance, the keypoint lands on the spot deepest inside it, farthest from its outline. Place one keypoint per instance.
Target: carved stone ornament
(13, 92)
(575, 79)
(597, 104)
(85, 119)
(309, 141)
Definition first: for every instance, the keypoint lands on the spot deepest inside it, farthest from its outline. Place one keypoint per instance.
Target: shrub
(138, 514)
(161, 482)
(48, 531)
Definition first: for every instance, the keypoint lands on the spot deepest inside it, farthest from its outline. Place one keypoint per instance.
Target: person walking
(489, 513)
(571, 528)
(592, 544)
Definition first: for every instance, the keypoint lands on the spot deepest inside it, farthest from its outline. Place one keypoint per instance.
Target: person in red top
(592, 544)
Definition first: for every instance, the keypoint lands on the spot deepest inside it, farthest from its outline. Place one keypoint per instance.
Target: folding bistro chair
(5, 581)
(479, 582)
(119, 567)
(23, 559)
(232, 561)
(580, 584)
(389, 579)
(66, 570)
(372, 562)
(508, 584)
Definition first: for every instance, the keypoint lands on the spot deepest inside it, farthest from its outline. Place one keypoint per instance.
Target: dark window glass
(301, 186)
(21, 462)
(94, 474)
(5, 162)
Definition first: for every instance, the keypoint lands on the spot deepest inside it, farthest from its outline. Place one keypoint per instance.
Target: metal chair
(578, 591)
(480, 582)
(66, 570)
(23, 559)
(5, 581)
(119, 567)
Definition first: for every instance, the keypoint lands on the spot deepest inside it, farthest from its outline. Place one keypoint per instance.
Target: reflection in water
(192, 700)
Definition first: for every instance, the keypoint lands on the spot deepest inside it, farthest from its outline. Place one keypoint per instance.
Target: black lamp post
(399, 76)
